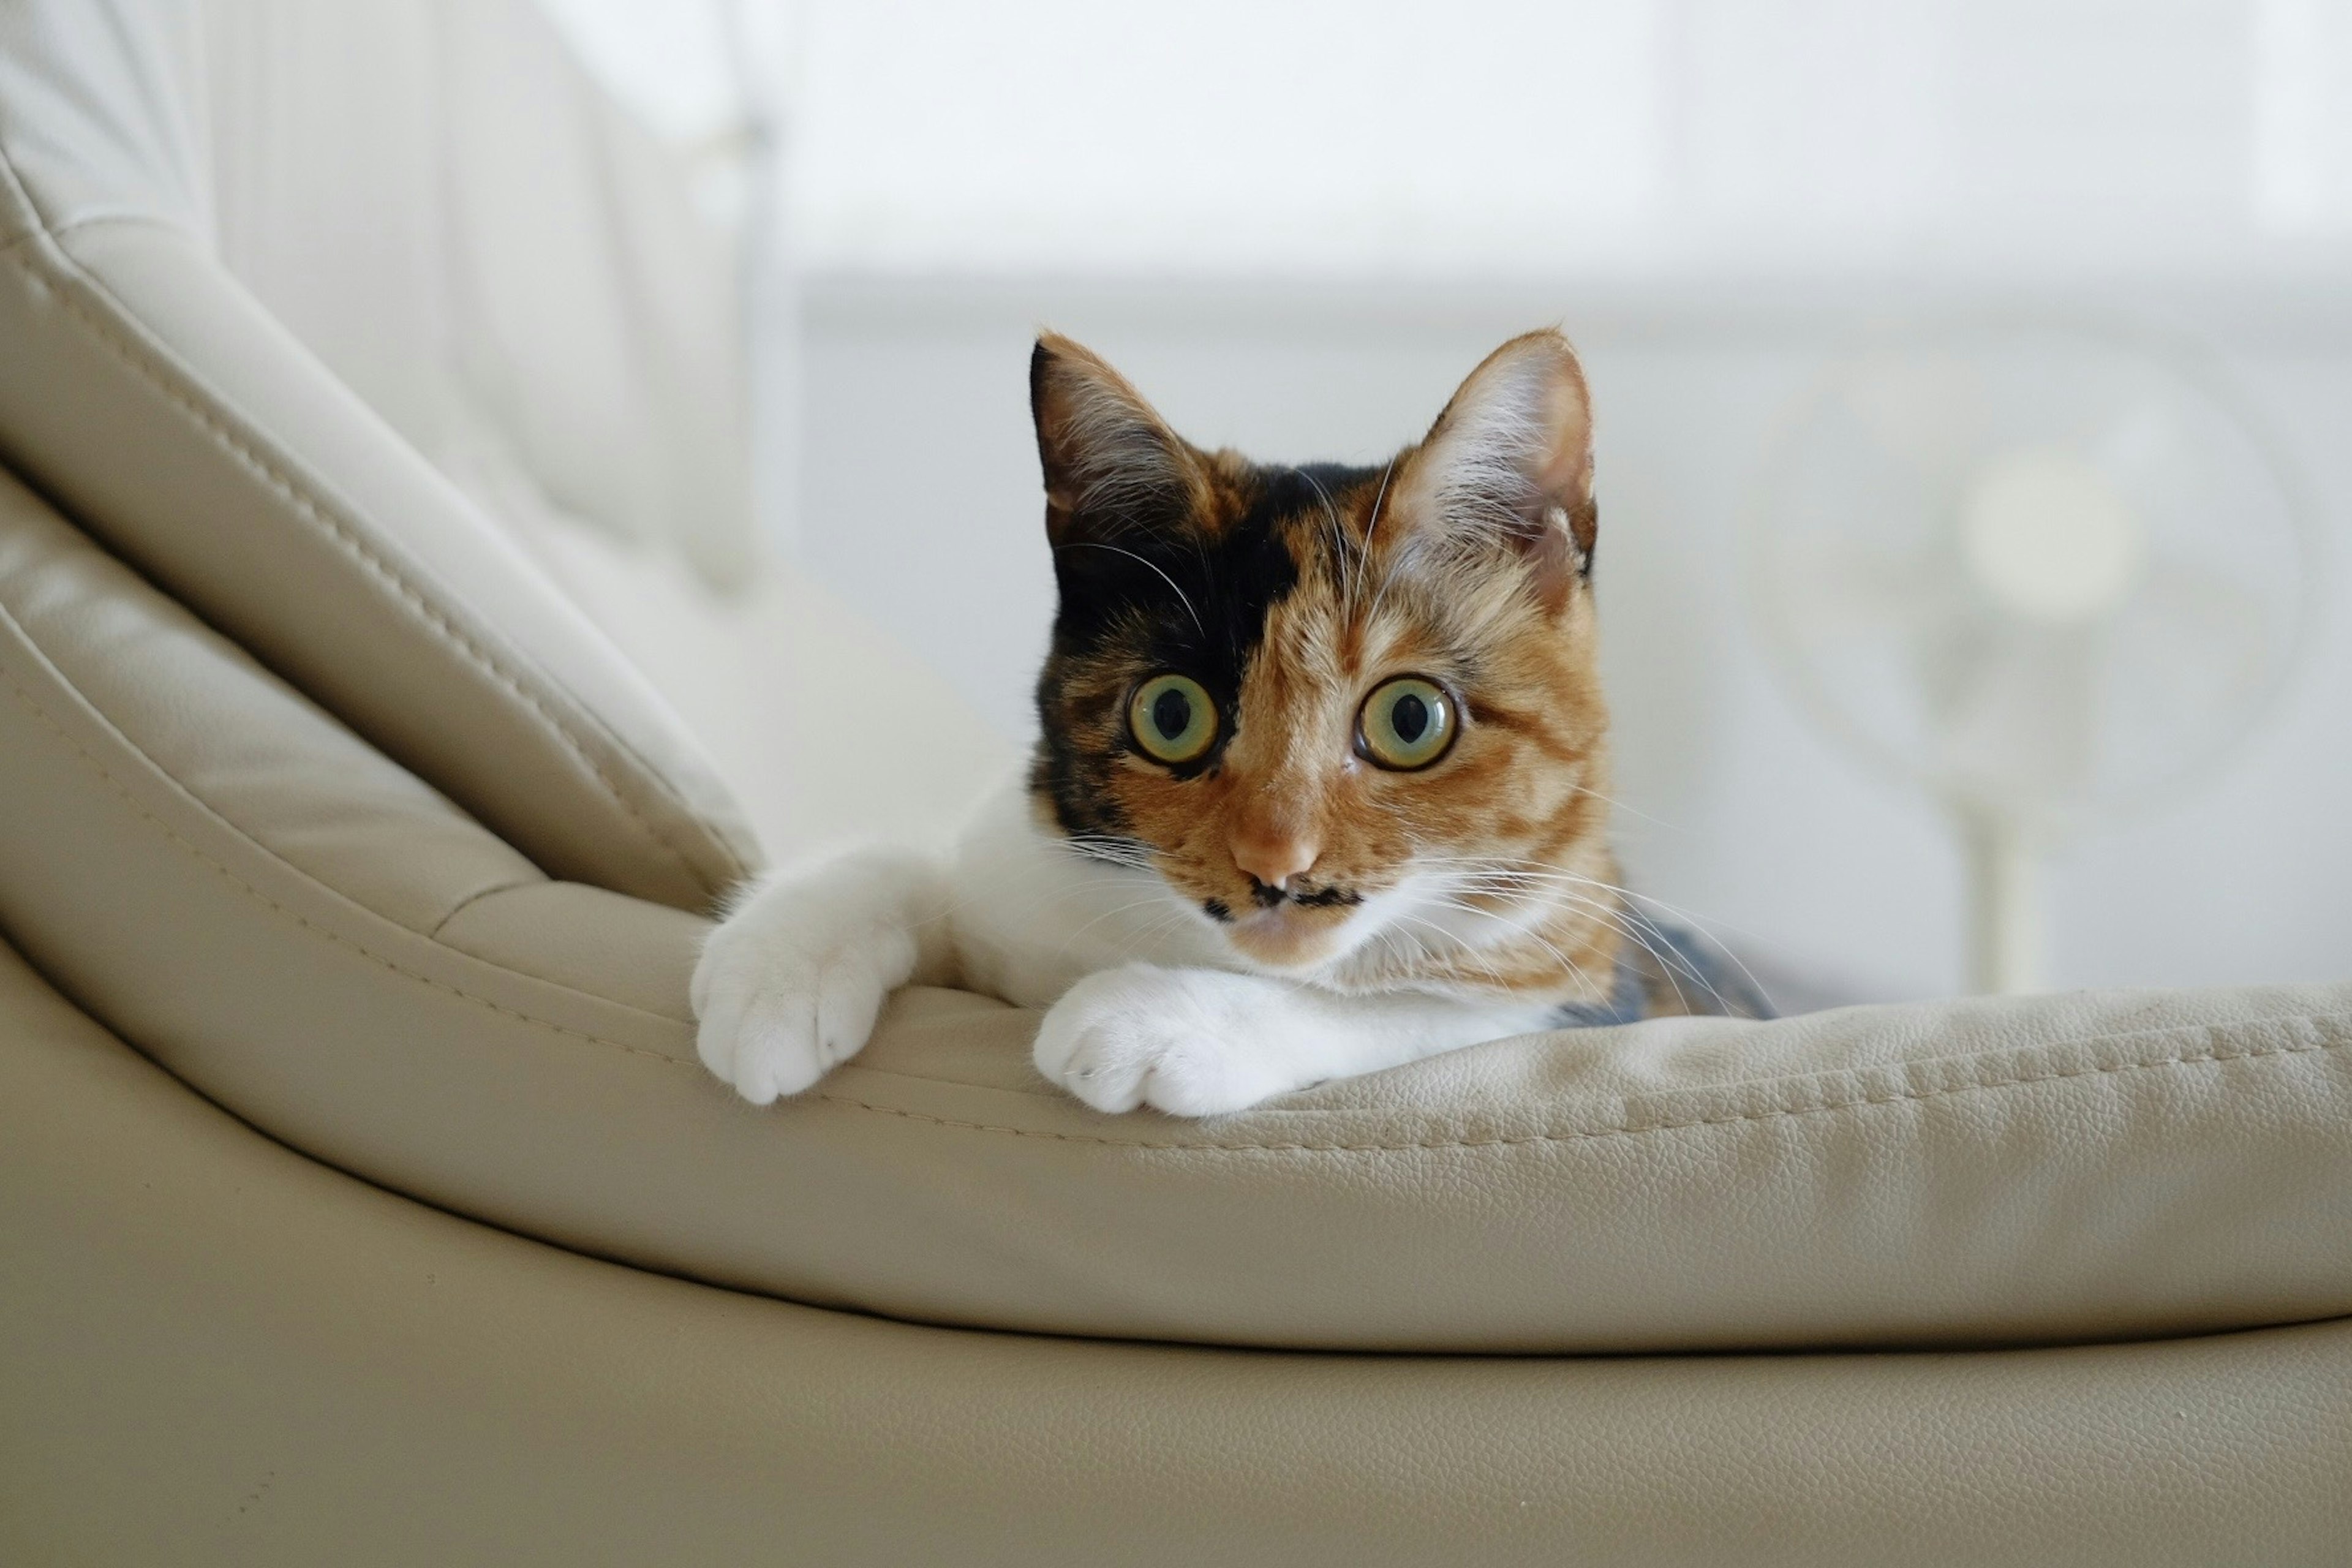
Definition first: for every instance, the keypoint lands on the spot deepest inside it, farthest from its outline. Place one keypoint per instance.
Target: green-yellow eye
(1406, 723)
(1173, 719)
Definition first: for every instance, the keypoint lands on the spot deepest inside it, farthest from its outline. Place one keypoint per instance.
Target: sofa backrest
(510, 268)
(150, 394)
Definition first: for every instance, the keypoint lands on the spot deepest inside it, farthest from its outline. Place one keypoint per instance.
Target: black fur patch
(1267, 895)
(1216, 911)
(1152, 588)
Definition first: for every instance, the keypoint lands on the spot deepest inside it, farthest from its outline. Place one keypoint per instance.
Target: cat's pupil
(1409, 718)
(1172, 713)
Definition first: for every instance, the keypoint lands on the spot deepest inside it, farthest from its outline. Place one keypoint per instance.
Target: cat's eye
(1173, 719)
(1406, 723)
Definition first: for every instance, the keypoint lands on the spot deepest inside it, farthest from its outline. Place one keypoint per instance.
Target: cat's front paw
(1178, 1039)
(792, 982)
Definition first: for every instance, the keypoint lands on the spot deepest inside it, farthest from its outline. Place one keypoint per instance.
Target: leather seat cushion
(227, 877)
(219, 1352)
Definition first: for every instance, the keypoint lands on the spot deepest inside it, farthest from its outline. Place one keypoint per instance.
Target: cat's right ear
(1112, 465)
(1510, 462)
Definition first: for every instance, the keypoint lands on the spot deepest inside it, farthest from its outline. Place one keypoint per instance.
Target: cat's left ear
(1112, 464)
(1510, 460)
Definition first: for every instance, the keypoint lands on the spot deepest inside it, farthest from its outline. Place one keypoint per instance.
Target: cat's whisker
(1668, 961)
(1112, 851)
(1063, 950)
(1403, 961)
(1388, 576)
(1671, 962)
(1616, 805)
(1461, 949)
(1021, 889)
(1181, 597)
(1143, 934)
(1339, 533)
(1534, 870)
(1540, 869)
(1521, 935)
(1381, 953)
(1365, 561)
(1701, 925)
(1567, 887)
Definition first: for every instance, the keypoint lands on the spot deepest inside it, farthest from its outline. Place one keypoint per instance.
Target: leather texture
(219, 1352)
(271, 499)
(218, 869)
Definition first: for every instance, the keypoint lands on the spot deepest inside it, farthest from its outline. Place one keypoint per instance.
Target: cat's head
(1326, 703)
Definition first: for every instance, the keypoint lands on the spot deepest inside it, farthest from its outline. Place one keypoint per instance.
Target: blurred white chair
(513, 270)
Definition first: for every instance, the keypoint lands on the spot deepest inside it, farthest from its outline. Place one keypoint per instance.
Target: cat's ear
(1111, 463)
(1510, 461)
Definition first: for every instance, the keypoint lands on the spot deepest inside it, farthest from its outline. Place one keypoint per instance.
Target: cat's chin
(1288, 940)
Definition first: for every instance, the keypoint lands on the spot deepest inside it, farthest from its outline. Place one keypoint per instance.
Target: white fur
(792, 979)
(1195, 1042)
(1149, 1004)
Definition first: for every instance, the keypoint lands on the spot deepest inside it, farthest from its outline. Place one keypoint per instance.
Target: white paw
(792, 982)
(1178, 1039)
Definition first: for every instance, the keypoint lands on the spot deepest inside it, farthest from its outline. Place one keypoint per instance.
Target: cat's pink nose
(1274, 856)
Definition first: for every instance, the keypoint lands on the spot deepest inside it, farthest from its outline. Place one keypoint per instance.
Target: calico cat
(1321, 788)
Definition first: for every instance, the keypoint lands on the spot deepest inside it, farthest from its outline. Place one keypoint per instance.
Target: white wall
(1380, 136)
(920, 501)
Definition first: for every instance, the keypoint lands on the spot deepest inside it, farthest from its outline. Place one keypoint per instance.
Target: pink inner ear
(1098, 438)
(1568, 522)
(1511, 458)
(1517, 435)
(1564, 474)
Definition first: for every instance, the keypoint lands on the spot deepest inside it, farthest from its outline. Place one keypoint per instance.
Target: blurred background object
(551, 271)
(2045, 574)
(1295, 224)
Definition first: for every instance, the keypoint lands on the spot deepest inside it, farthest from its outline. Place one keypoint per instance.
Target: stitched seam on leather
(1592, 1134)
(16, 187)
(129, 354)
(476, 897)
(342, 533)
(33, 706)
(93, 221)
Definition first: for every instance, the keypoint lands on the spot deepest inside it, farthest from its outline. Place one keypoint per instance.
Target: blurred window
(1302, 135)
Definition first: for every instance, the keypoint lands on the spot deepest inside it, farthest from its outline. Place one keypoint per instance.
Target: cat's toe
(772, 1021)
(775, 1050)
(1198, 1075)
(1142, 1036)
(850, 991)
(1089, 1043)
(792, 1031)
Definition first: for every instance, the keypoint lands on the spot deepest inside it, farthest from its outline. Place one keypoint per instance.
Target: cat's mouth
(1289, 929)
(1286, 937)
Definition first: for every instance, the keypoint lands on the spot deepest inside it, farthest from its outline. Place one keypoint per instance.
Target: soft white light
(2049, 537)
(672, 65)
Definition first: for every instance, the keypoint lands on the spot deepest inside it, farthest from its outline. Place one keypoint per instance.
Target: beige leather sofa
(361, 1201)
